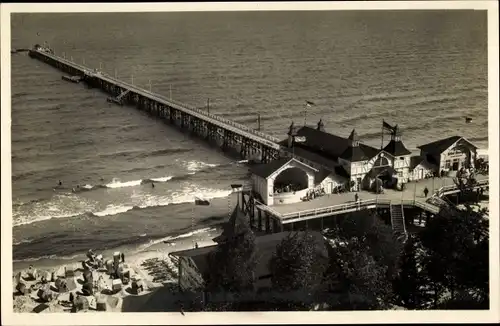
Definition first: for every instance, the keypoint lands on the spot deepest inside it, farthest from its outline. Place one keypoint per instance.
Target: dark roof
(265, 246)
(339, 170)
(264, 170)
(334, 146)
(416, 160)
(311, 156)
(396, 148)
(439, 146)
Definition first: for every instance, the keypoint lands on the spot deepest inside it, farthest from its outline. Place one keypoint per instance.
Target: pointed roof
(396, 148)
(354, 135)
(237, 223)
(292, 130)
(265, 170)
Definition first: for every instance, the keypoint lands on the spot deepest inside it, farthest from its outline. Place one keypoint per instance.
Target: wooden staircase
(398, 221)
(119, 98)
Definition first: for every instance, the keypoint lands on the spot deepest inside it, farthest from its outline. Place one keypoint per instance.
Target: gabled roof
(396, 148)
(334, 146)
(311, 156)
(265, 170)
(416, 160)
(439, 146)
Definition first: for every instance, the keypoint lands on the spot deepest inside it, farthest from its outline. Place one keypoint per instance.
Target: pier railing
(451, 188)
(266, 139)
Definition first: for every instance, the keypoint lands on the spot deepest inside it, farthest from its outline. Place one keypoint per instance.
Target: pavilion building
(315, 160)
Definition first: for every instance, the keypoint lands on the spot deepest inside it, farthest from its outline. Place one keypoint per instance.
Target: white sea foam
(61, 206)
(162, 179)
(115, 183)
(53, 257)
(195, 166)
(172, 238)
(113, 210)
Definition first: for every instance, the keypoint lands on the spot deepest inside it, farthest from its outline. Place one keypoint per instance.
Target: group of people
(313, 193)
(286, 188)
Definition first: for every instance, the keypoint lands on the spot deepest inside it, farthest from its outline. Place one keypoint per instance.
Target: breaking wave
(172, 238)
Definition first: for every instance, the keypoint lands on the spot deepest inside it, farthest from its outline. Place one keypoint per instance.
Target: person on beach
(152, 185)
(426, 192)
(356, 197)
(123, 257)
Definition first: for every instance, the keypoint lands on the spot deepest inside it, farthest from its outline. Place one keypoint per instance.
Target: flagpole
(382, 132)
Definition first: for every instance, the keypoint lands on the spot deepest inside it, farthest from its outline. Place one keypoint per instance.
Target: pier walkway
(233, 132)
(332, 204)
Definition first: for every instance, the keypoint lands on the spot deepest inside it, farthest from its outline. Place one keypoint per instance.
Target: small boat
(468, 119)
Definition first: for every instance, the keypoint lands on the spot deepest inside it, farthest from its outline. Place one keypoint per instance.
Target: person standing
(426, 192)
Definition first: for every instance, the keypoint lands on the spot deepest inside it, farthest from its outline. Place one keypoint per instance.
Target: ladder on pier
(398, 221)
(119, 98)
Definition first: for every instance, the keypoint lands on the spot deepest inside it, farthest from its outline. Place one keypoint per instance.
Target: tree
(456, 242)
(233, 263)
(362, 263)
(410, 285)
(296, 263)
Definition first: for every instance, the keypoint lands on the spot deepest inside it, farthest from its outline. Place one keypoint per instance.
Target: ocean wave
(51, 257)
(172, 238)
(17, 243)
(195, 166)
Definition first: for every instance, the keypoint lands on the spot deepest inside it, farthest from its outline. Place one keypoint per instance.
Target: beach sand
(154, 268)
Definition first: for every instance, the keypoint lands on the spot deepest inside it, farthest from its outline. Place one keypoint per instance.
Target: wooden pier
(226, 133)
(277, 218)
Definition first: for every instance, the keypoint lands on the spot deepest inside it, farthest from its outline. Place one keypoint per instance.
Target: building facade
(323, 161)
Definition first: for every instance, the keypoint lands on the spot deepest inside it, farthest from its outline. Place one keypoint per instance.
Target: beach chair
(69, 272)
(117, 284)
(80, 303)
(22, 288)
(88, 289)
(116, 257)
(101, 304)
(61, 285)
(32, 273)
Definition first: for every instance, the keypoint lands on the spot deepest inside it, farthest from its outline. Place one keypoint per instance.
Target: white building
(450, 154)
(314, 159)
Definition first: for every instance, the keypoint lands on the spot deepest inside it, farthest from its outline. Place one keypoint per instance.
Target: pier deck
(332, 204)
(246, 136)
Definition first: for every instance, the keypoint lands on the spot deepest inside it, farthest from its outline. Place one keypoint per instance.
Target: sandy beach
(153, 269)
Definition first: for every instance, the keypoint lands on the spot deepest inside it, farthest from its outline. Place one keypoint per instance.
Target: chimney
(321, 125)
(353, 139)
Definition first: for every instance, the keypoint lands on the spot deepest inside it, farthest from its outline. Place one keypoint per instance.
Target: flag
(299, 139)
(201, 202)
(387, 126)
(236, 187)
(309, 103)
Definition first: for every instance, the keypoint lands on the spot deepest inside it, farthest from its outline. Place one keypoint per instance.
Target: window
(447, 164)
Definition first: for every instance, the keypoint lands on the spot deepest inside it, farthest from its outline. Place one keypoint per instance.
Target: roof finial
(321, 125)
